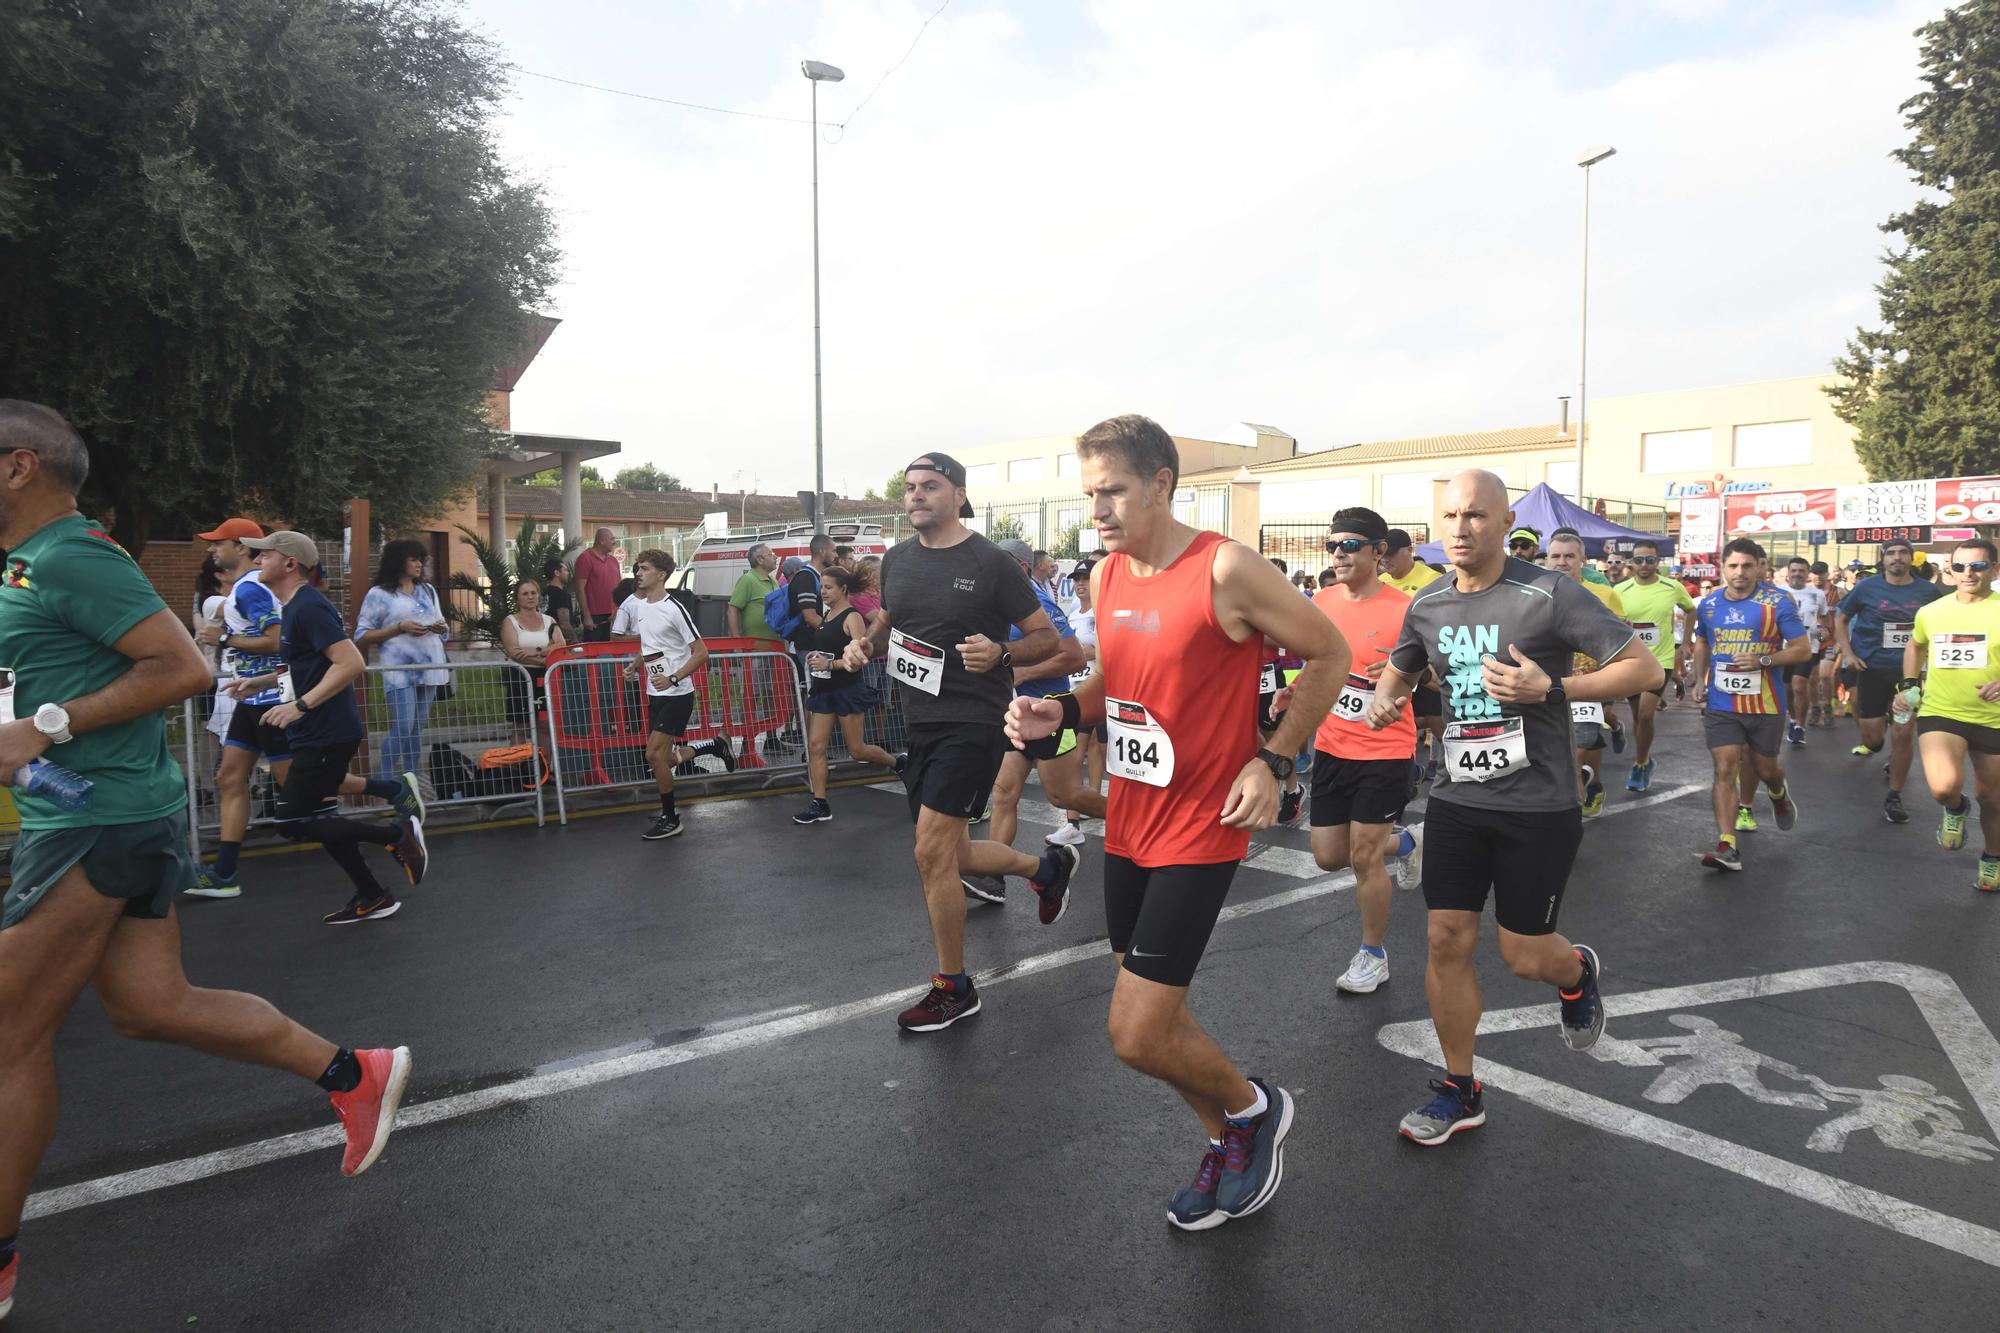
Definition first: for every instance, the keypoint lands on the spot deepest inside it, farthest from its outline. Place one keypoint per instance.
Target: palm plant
(493, 591)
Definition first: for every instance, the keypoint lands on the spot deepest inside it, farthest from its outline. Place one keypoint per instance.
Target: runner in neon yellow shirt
(1955, 648)
(1650, 602)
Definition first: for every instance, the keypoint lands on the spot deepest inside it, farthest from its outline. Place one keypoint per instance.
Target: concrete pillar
(1246, 508)
(496, 513)
(572, 500)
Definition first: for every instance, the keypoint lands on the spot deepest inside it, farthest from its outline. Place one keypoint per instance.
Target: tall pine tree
(262, 253)
(1923, 391)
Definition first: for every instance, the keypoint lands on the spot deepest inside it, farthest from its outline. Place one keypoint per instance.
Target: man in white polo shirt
(670, 652)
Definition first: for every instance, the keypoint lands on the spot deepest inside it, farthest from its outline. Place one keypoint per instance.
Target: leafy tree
(1006, 527)
(1069, 543)
(646, 477)
(265, 255)
(494, 589)
(870, 494)
(1923, 391)
(893, 492)
(587, 476)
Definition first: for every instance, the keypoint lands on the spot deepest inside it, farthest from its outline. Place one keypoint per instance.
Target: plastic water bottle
(55, 784)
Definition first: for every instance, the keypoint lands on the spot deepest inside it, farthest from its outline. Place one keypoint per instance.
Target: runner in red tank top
(1181, 621)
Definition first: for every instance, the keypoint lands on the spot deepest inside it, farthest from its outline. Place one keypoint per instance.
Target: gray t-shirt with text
(1549, 617)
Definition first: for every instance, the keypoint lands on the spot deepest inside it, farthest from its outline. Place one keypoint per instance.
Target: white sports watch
(52, 720)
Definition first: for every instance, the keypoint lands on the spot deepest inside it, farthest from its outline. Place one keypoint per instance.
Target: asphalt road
(659, 1086)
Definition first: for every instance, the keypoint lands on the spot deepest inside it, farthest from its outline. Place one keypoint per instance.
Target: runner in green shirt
(1649, 608)
(1955, 648)
(95, 658)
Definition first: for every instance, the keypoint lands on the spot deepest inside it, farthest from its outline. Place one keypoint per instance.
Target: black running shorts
(1762, 732)
(668, 714)
(952, 767)
(1161, 919)
(1523, 857)
(247, 731)
(1358, 791)
(1978, 739)
(1801, 670)
(1872, 693)
(1426, 703)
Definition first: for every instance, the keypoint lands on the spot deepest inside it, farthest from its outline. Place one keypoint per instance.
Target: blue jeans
(403, 750)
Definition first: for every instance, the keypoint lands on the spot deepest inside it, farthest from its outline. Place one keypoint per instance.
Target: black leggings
(1160, 918)
(305, 813)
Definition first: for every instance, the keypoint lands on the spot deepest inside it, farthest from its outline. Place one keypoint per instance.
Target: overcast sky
(1348, 221)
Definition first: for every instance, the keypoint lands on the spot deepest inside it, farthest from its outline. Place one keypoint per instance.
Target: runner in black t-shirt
(948, 600)
(323, 724)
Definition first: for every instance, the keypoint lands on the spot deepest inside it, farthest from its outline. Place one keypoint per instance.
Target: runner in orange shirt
(1361, 776)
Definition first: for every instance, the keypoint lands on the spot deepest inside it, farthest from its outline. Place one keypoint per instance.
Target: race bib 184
(1140, 749)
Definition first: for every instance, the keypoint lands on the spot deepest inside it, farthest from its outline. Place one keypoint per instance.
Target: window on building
(1562, 476)
(1774, 444)
(1677, 450)
(1024, 469)
(1066, 465)
(1407, 490)
(982, 474)
(1316, 499)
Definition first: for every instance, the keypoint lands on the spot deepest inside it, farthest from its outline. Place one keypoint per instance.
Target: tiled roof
(677, 508)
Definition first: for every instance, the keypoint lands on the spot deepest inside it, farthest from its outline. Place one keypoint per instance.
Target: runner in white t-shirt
(670, 653)
(1803, 677)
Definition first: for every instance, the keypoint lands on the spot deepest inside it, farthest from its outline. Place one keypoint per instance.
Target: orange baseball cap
(231, 530)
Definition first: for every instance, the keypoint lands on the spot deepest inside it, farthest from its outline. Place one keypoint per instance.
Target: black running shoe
(1055, 894)
(1892, 809)
(985, 888)
(663, 826)
(721, 749)
(940, 1007)
(816, 812)
(356, 910)
(1288, 806)
(411, 853)
(408, 802)
(1583, 1008)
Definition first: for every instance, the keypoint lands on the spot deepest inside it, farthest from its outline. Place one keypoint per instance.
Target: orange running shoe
(369, 1111)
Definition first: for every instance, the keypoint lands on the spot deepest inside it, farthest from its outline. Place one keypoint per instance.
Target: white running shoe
(1364, 974)
(1409, 870)
(1070, 834)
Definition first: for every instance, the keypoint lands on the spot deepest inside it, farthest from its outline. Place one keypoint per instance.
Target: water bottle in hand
(55, 784)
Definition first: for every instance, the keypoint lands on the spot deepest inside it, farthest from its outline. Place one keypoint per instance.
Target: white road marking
(1966, 1040)
(725, 1037)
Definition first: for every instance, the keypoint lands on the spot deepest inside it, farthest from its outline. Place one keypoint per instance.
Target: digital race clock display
(1891, 532)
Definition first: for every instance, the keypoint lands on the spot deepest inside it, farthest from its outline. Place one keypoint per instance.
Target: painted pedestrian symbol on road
(1905, 1113)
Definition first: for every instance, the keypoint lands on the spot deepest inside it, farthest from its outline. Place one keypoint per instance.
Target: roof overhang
(525, 455)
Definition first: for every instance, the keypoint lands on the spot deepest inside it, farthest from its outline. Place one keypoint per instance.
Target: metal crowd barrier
(488, 709)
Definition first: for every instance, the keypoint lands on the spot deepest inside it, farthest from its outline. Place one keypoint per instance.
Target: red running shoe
(369, 1112)
(7, 1285)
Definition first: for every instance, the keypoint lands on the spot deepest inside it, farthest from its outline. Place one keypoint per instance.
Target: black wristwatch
(1006, 659)
(1557, 694)
(1280, 765)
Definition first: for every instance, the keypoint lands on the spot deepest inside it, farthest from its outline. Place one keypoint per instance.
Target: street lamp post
(1589, 158)
(816, 74)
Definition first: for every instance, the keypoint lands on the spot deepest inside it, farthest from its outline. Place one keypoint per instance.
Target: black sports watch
(1280, 765)
(1557, 694)
(1006, 659)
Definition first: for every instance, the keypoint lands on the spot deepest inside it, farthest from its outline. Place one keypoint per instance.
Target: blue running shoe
(1193, 1208)
(1642, 776)
(1583, 1008)
(1253, 1154)
(1451, 1110)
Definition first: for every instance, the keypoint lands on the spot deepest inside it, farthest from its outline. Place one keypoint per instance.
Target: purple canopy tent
(1545, 510)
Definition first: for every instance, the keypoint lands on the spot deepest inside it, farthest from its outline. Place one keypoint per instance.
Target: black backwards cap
(1364, 521)
(952, 470)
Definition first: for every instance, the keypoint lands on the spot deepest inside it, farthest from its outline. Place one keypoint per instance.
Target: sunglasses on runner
(1642, 560)
(1347, 545)
(1974, 567)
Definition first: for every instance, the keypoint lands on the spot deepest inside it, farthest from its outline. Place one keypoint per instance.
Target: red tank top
(1181, 698)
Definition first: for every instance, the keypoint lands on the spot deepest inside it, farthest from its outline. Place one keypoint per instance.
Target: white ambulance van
(719, 561)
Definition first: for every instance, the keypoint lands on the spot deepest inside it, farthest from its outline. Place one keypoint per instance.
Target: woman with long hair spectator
(867, 597)
(836, 693)
(402, 619)
(528, 636)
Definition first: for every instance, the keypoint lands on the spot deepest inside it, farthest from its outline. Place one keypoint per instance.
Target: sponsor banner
(1963, 500)
(1701, 524)
(1781, 511)
(1886, 504)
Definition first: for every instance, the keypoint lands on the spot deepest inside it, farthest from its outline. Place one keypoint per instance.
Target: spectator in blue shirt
(402, 619)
